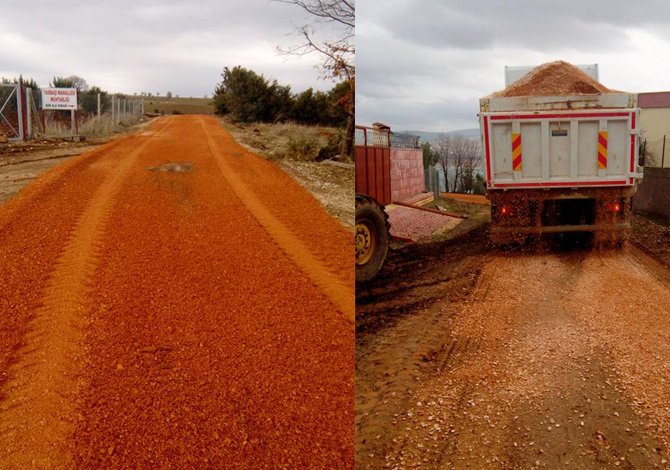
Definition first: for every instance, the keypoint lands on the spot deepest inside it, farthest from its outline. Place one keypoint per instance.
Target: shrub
(332, 149)
(302, 148)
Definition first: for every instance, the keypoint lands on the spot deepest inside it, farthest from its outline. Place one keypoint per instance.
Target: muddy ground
(469, 357)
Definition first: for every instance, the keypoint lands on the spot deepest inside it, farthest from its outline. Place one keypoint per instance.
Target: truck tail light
(616, 207)
(506, 210)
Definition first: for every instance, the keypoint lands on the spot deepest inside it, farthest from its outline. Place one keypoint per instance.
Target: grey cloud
(423, 65)
(437, 116)
(531, 24)
(147, 45)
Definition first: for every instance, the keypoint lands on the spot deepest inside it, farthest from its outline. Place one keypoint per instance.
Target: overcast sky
(152, 45)
(423, 65)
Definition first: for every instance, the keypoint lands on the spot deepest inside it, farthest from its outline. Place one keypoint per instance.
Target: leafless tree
(443, 148)
(459, 156)
(337, 49)
(472, 165)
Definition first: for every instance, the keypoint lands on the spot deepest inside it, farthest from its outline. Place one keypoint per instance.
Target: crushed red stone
(190, 338)
(553, 78)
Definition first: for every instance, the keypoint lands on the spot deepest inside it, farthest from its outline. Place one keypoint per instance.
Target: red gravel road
(516, 361)
(170, 300)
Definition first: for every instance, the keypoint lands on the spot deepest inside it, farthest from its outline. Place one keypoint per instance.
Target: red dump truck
(560, 163)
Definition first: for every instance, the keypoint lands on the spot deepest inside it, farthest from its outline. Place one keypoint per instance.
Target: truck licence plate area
(559, 212)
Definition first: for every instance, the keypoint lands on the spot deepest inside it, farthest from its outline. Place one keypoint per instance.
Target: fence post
(98, 105)
(113, 121)
(435, 181)
(663, 157)
(29, 126)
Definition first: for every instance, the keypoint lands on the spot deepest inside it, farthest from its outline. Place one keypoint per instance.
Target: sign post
(61, 99)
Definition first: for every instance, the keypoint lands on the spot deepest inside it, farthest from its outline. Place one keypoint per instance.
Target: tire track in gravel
(339, 293)
(40, 395)
(208, 347)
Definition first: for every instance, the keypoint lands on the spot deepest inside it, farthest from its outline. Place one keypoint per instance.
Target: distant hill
(432, 136)
(161, 104)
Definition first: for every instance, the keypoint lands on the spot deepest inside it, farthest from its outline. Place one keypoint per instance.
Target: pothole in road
(174, 167)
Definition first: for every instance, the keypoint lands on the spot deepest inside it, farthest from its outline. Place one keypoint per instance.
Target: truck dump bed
(567, 141)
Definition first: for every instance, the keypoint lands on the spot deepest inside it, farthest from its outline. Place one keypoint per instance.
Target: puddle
(174, 167)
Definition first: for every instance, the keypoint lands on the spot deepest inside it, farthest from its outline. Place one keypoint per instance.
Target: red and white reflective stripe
(602, 150)
(516, 152)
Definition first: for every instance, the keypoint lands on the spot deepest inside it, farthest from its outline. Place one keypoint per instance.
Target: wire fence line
(97, 113)
(22, 116)
(381, 137)
(656, 152)
(405, 141)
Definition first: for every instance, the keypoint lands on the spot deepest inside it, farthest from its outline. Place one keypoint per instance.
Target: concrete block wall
(653, 194)
(407, 178)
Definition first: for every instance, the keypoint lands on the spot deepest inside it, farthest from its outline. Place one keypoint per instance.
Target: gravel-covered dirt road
(477, 359)
(170, 300)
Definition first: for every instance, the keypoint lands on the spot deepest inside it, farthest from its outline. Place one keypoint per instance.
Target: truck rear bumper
(563, 228)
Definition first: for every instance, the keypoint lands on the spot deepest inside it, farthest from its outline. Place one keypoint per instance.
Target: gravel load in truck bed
(553, 78)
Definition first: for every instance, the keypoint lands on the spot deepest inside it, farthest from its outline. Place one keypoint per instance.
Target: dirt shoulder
(331, 183)
(653, 234)
(22, 162)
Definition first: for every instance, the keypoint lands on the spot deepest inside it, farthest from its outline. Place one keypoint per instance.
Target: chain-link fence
(96, 114)
(10, 113)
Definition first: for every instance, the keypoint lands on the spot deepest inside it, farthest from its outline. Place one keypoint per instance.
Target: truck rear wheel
(372, 237)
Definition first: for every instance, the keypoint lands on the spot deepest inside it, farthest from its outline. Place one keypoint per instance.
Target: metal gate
(11, 112)
(373, 163)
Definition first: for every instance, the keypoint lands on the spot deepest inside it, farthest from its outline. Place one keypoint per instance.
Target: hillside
(426, 136)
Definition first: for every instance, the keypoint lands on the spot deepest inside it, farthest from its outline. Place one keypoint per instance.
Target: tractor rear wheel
(372, 238)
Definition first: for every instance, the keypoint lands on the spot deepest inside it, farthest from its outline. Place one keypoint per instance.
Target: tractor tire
(372, 238)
